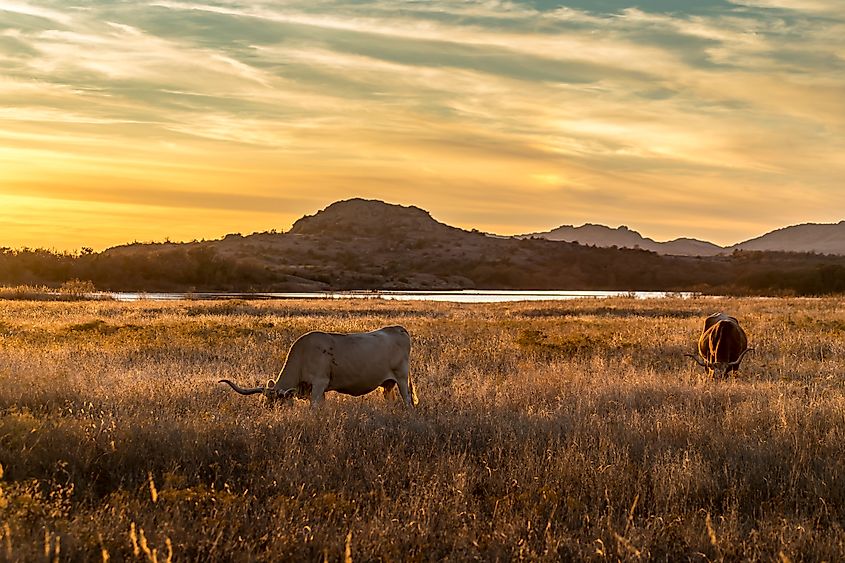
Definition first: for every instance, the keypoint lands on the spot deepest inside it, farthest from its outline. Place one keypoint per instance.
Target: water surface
(456, 296)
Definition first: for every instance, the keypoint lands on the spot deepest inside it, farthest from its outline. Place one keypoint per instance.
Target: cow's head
(272, 394)
(275, 396)
(720, 369)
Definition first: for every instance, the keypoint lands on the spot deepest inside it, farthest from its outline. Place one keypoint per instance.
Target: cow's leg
(317, 371)
(405, 392)
(318, 391)
(402, 381)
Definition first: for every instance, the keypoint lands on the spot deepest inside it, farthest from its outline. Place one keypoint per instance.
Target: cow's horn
(241, 390)
(290, 393)
(699, 362)
(735, 363)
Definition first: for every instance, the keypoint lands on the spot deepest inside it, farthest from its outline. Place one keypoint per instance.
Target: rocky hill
(689, 247)
(367, 244)
(364, 244)
(363, 218)
(623, 237)
(821, 238)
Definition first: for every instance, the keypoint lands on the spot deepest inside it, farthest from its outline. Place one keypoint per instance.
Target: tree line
(542, 265)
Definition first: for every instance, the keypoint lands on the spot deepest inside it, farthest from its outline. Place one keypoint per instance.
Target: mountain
(595, 235)
(366, 217)
(623, 237)
(370, 244)
(367, 244)
(689, 247)
(821, 238)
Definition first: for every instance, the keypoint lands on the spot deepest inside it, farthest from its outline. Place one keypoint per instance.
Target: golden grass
(553, 431)
(72, 290)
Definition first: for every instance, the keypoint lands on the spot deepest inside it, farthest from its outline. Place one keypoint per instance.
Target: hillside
(370, 244)
(363, 218)
(810, 237)
(689, 247)
(364, 244)
(824, 238)
(623, 237)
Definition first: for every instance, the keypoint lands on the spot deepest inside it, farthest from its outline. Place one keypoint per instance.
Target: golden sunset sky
(141, 120)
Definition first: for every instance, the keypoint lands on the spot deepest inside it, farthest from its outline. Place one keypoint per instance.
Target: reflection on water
(457, 296)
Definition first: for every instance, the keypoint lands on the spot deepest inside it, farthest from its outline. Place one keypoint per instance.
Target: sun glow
(497, 117)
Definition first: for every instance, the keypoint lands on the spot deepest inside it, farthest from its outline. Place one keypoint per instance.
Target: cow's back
(723, 341)
(716, 317)
(366, 355)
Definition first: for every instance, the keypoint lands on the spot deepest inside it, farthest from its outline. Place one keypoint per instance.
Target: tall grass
(570, 430)
(72, 290)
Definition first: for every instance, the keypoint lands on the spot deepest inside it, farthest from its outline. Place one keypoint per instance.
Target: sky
(140, 120)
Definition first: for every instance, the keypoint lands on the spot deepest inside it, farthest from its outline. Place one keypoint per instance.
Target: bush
(77, 289)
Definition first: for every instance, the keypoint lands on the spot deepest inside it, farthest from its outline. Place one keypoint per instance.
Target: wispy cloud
(599, 111)
(833, 7)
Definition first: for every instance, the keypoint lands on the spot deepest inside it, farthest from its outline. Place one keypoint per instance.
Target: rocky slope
(809, 237)
(623, 237)
(821, 238)
(362, 244)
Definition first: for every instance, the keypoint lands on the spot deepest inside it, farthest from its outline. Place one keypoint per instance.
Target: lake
(456, 296)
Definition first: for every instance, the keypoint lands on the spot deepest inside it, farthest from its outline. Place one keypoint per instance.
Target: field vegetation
(546, 431)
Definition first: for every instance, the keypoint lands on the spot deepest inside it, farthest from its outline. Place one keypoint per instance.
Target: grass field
(553, 431)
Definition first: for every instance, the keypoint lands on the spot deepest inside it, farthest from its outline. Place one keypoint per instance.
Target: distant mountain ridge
(369, 244)
(623, 237)
(820, 238)
(362, 217)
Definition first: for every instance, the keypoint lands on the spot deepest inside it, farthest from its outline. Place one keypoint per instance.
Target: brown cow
(722, 345)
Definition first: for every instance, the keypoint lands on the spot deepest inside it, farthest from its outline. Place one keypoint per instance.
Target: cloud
(29, 10)
(591, 107)
(833, 7)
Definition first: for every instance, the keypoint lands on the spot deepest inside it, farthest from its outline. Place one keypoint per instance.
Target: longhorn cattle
(722, 345)
(352, 364)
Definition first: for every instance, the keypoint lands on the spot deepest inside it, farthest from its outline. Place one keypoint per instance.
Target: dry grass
(573, 430)
(73, 290)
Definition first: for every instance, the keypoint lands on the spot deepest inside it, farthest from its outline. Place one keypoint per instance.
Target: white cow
(353, 364)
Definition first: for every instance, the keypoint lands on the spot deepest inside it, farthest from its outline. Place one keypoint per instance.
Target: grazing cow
(722, 345)
(353, 364)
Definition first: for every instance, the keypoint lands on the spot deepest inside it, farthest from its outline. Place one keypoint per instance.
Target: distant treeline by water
(205, 267)
(179, 268)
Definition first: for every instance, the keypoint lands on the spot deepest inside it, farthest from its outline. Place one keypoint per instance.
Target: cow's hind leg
(405, 392)
(403, 380)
